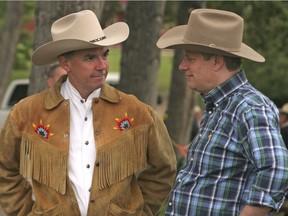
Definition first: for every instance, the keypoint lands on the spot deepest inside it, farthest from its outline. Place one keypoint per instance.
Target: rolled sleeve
(266, 151)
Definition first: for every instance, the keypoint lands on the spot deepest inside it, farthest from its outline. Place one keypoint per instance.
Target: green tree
(22, 63)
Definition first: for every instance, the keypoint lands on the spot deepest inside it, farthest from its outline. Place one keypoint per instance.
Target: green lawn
(164, 73)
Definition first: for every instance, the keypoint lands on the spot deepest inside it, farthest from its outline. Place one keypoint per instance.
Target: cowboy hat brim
(173, 39)
(49, 52)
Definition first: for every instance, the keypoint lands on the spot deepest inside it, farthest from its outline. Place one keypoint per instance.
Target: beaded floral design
(42, 130)
(123, 123)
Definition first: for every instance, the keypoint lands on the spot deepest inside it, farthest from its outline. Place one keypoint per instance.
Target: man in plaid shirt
(238, 163)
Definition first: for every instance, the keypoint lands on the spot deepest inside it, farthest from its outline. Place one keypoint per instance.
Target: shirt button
(170, 203)
(179, 180)
(74, 202)
(86, 143)
(88, 166)
(66, 135)
(97, 133)
(210, 112)
(85, 118)
(82, 101)
(89, 189)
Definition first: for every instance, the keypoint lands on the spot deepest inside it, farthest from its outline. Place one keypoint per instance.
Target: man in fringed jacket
(82, 147)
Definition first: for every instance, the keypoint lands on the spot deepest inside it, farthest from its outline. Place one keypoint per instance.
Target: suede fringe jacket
(135, 163)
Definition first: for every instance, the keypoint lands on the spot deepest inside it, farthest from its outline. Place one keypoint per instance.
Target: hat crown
(215, 28)
(83, 25)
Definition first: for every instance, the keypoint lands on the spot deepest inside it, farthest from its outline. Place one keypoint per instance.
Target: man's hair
(69, 55)
(232, 63)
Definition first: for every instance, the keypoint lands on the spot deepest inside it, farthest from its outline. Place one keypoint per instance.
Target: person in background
(197, 116)
(53, 75)
(84, 147)
(284, 123)
(238, 163)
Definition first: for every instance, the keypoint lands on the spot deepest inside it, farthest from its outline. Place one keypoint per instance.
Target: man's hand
(249, 210)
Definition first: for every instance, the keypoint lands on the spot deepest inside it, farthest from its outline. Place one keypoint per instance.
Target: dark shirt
(284, 133)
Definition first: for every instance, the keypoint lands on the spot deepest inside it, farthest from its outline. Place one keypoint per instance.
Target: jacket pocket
(54, 211)
(44, 163)
(115, 210)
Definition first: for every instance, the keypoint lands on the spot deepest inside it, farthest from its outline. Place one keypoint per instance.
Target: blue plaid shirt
(238, 156)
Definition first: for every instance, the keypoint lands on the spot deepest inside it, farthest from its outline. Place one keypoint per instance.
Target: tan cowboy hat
(210, 31)
(78, 31)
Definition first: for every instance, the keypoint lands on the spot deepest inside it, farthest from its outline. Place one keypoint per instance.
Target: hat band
(98, 39)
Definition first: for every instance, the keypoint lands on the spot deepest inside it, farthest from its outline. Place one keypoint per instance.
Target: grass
(164, 73)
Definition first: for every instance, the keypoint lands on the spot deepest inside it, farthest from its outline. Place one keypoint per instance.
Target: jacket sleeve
(156, 182)
(15, 191)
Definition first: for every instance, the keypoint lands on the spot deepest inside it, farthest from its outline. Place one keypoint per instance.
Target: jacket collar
(53, 97)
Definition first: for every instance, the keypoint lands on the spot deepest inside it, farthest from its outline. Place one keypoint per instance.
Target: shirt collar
(74, 95)
(53, 97)
(216, 95)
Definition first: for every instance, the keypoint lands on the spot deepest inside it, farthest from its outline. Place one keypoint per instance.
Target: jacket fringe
(122, 158)
(43, 163)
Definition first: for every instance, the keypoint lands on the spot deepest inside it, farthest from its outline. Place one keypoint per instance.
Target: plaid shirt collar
(216, 95)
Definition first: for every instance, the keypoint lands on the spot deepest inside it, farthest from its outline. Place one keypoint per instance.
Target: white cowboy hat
(78, 31)
(210, 31)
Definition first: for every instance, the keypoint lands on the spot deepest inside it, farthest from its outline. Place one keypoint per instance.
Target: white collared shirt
(82, 149)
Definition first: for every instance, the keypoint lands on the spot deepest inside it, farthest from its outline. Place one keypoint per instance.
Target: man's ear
(64, 63)
(49, 82)
(218, 62)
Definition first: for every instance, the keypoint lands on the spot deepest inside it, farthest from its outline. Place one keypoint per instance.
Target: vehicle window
(20, 92)
(115, 84)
